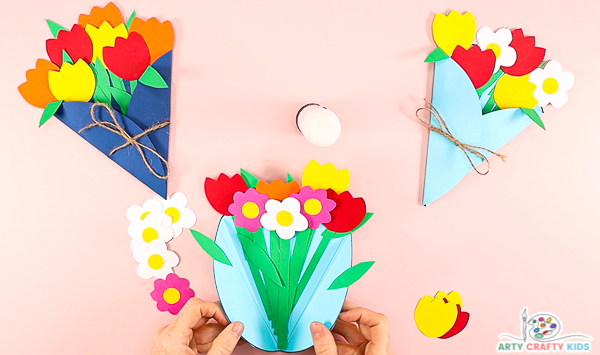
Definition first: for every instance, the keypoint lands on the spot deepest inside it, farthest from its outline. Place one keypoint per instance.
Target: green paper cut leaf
(250, 179)
(132, 86)
(437, 54)
(492, 80)
(534, 116)
(116, 81)
(153, 79)
(351, 275)
(49, 111)
(101, 92)
(261, 260)
(489, 105)
(122, 97)
(55, 27)
(333, 235)
(101, 74)
(128, 24)
(210, 247)
(66, 58)
(289, 178)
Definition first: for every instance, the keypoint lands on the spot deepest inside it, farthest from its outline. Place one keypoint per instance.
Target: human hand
(190, 333)
(369, 336)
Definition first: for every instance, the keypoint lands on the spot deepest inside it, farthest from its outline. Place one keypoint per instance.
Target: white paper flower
(284, 217)
(499, 43)
(181, 216)
(551, 84)
(155, 225)
(155, 260)
(138, 213)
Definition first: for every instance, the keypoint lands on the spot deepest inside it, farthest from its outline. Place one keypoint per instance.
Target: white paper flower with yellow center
(498, 42)
(181, 216)
(137, 213)
(155, 260)
(154, 226)
(551, 84)
(284, 217)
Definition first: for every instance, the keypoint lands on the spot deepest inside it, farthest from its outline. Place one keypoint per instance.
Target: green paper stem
(101, 92)
(490, 82)
(122, 97)
(301, 246)
(262, 260)
(531, 113)
(49, 111)
(152, 78)
(250, 179)
(132, 86)
(130, 20)
(284, 310)
(55, 28)
(310, 269)
(436, 55)
(489, 105)
(116, 81)
(351, 275)
(210, 247)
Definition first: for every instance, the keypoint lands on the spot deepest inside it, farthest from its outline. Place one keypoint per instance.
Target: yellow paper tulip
(514, 92)
(104, 36)
(436, 316)
(74, 82)
(325, 177)
(453, 30)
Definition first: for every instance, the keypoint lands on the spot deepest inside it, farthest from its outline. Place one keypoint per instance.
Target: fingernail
(238, 328)
(316, 328)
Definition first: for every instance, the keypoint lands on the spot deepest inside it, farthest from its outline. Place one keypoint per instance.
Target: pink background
(525, 235)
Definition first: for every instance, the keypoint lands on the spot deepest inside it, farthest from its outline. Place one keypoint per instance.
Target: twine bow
(445, 131)
(116, 128)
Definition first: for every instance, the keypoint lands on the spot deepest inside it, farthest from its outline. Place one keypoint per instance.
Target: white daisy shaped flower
(153, 226)
(284, 217)
(498, 42)
(181, 216)
(551, 84)
(155, 260)
(138, 213)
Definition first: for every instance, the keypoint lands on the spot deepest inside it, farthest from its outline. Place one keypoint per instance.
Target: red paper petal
(461, 322)
(479, 65)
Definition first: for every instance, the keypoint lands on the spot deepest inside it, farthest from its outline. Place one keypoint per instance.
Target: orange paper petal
(277, 190)
(36, 89)
(109, 13)
(158, 35)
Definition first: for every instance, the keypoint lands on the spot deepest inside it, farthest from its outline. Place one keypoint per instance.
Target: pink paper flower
(171, 294)
(316, 207)
(247, 208)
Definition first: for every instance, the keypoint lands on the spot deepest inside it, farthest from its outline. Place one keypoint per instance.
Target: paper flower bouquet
(109, 80)
(484, 94)
(283, 252)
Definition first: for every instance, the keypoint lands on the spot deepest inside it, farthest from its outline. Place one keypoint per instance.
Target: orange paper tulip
(158, 35)
(36, 89)
(277, 190)
(109, 13)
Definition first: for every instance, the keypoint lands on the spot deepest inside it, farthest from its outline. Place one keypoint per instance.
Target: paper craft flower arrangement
(283, 252)
(484, 94)
(151, 226)
(109, 80)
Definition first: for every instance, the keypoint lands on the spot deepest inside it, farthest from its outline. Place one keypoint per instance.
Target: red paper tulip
(348, 212)
(220, 192)
(76, 43)
(129, 58)
(462, 319)
(529, 56)
(479, 65)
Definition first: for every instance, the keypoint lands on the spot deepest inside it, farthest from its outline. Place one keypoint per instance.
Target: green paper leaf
(489, 105)
(101, 92)
(101, 74)
(333, 235)
(55, 27)
(49, 111)
(116, 81)
(437, 54)
(128, 24)
(153, 79)
(260, 259)
(534, 116)
(492, 80)
(289, 178)
(250, 179)
(66, 58)
(210, 247)
(122, 97)
(132, 86)
(351, 275)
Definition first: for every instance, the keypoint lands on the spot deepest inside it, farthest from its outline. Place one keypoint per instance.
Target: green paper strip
(489, 105)
(55, 27)
(534, 116)
(132, 86)
(250, 179)
(116, 81)
(49, 111)
(281, 330)
(152, 78)
(66, 58)
(128, 24)
(490, 82)
(101, 93)
(437, 54)
(289, 178)
(333, 235)
(210, 247)
(260, 258)
(122, 98)
(351, 275)
(301, 246)
(310, 269)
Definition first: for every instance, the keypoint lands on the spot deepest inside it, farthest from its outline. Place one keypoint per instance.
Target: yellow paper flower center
(173, 213)
(156, 261)
(312, 206)
(144, 215)
(149, 234)
(171, 295)
(550, 86)
(495, 48)
(284, 218)
(250, 210)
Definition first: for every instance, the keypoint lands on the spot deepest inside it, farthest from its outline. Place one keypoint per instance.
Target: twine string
(445, 131)
(116, 128)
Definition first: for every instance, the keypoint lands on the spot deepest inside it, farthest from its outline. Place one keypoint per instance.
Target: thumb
(225, 342)
(323, 339)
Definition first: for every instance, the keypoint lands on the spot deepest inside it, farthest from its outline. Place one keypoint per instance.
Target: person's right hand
(362, 332)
